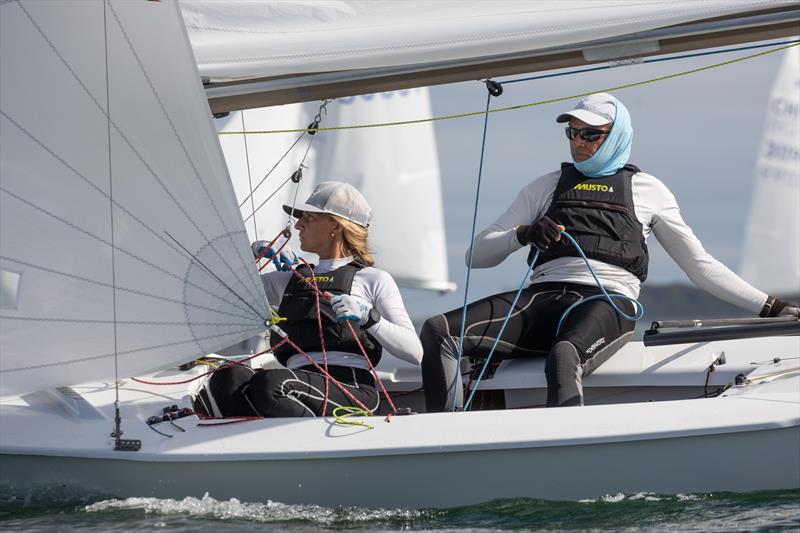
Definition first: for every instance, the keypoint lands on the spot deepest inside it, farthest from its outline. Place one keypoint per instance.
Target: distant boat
(771, 251)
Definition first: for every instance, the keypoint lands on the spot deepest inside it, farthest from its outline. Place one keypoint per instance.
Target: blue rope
(471, 245)
(605, 295)
(653, 60)
(500, 334)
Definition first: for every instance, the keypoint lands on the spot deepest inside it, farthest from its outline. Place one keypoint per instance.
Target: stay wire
(312, 129)
(245, 133)
(297, 175)
(471, 249)
(117, 434)
(249, 178)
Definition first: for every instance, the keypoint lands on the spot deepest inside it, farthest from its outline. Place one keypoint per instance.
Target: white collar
(326, 265)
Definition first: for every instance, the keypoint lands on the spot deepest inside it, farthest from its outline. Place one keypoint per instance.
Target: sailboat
(124, 255)
(773, 225)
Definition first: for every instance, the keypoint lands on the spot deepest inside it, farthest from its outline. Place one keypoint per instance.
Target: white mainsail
(82, 279)
(397, 170)
(275, 52)
(771, 252)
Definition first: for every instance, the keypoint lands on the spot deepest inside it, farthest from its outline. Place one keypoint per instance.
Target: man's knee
(563, 357)
(564, 375)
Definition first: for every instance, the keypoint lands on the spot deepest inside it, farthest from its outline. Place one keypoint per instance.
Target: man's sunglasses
(587, 134)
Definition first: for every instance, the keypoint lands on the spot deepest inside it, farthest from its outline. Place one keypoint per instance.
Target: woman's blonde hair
(355, 241)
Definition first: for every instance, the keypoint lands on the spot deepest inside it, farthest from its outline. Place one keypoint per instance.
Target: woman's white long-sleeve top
(657, 211)
(395, 331)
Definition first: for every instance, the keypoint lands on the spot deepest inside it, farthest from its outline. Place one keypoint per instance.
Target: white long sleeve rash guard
(657, 211)
(395, 331)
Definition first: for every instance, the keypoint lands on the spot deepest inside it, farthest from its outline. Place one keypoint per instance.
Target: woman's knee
(563, 356)
(266, 389)
(433, 329)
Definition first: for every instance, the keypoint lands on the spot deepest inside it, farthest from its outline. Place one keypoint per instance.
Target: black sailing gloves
(541, 233)
(775, 307)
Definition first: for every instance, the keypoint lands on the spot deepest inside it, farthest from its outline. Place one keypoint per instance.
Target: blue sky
(699, 134)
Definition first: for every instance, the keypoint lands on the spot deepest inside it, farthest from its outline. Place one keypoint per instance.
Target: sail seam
(90, 184)
(106, 321)
(126, 352)
(122, 250)
(124, 289)
(168, 117)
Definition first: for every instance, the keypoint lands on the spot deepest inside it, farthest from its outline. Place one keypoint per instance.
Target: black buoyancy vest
(299, 307)
(599, 214)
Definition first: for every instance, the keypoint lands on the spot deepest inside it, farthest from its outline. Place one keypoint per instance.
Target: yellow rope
(276, 318)
(342, 419)
(775, 374)
(520, 106)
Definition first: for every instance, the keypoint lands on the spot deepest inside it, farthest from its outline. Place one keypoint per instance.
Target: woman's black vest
(299, 307)
(599, 214)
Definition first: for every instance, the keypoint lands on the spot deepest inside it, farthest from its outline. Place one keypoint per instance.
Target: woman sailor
(333, 224)
(610, 207)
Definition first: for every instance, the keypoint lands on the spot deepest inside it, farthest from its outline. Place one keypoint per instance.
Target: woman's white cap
(596, 109)
(335, 198)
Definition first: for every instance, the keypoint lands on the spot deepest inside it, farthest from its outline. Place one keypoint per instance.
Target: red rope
(374, 372)
(269, 246)
(321, 335)
(328, 376)
(328, 296)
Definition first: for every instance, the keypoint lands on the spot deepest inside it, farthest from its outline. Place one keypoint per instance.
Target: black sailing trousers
(591, 333)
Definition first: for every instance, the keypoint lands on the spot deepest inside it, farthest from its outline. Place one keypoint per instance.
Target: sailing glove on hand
(348, 307)
(775, 307)
(283, 261)
(541, 233)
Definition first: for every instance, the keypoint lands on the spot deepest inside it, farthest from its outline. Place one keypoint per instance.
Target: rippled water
(62, 509)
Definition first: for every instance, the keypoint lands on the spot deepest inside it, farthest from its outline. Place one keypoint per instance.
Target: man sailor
(610, 207)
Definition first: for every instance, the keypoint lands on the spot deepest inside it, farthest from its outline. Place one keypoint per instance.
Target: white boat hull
(745, 439)
(708, 463)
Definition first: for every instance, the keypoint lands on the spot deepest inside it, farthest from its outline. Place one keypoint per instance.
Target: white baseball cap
(335, 198)
(596, 109)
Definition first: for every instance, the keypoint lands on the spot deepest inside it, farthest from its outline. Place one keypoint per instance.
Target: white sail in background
(771, 253)
(397, 170)
(263, 152)
(62, 320)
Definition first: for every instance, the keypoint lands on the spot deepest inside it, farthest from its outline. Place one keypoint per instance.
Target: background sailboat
(397, 170)
(771, 251)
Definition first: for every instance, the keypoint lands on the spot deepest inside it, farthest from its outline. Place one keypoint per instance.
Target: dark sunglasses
(587, 134)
